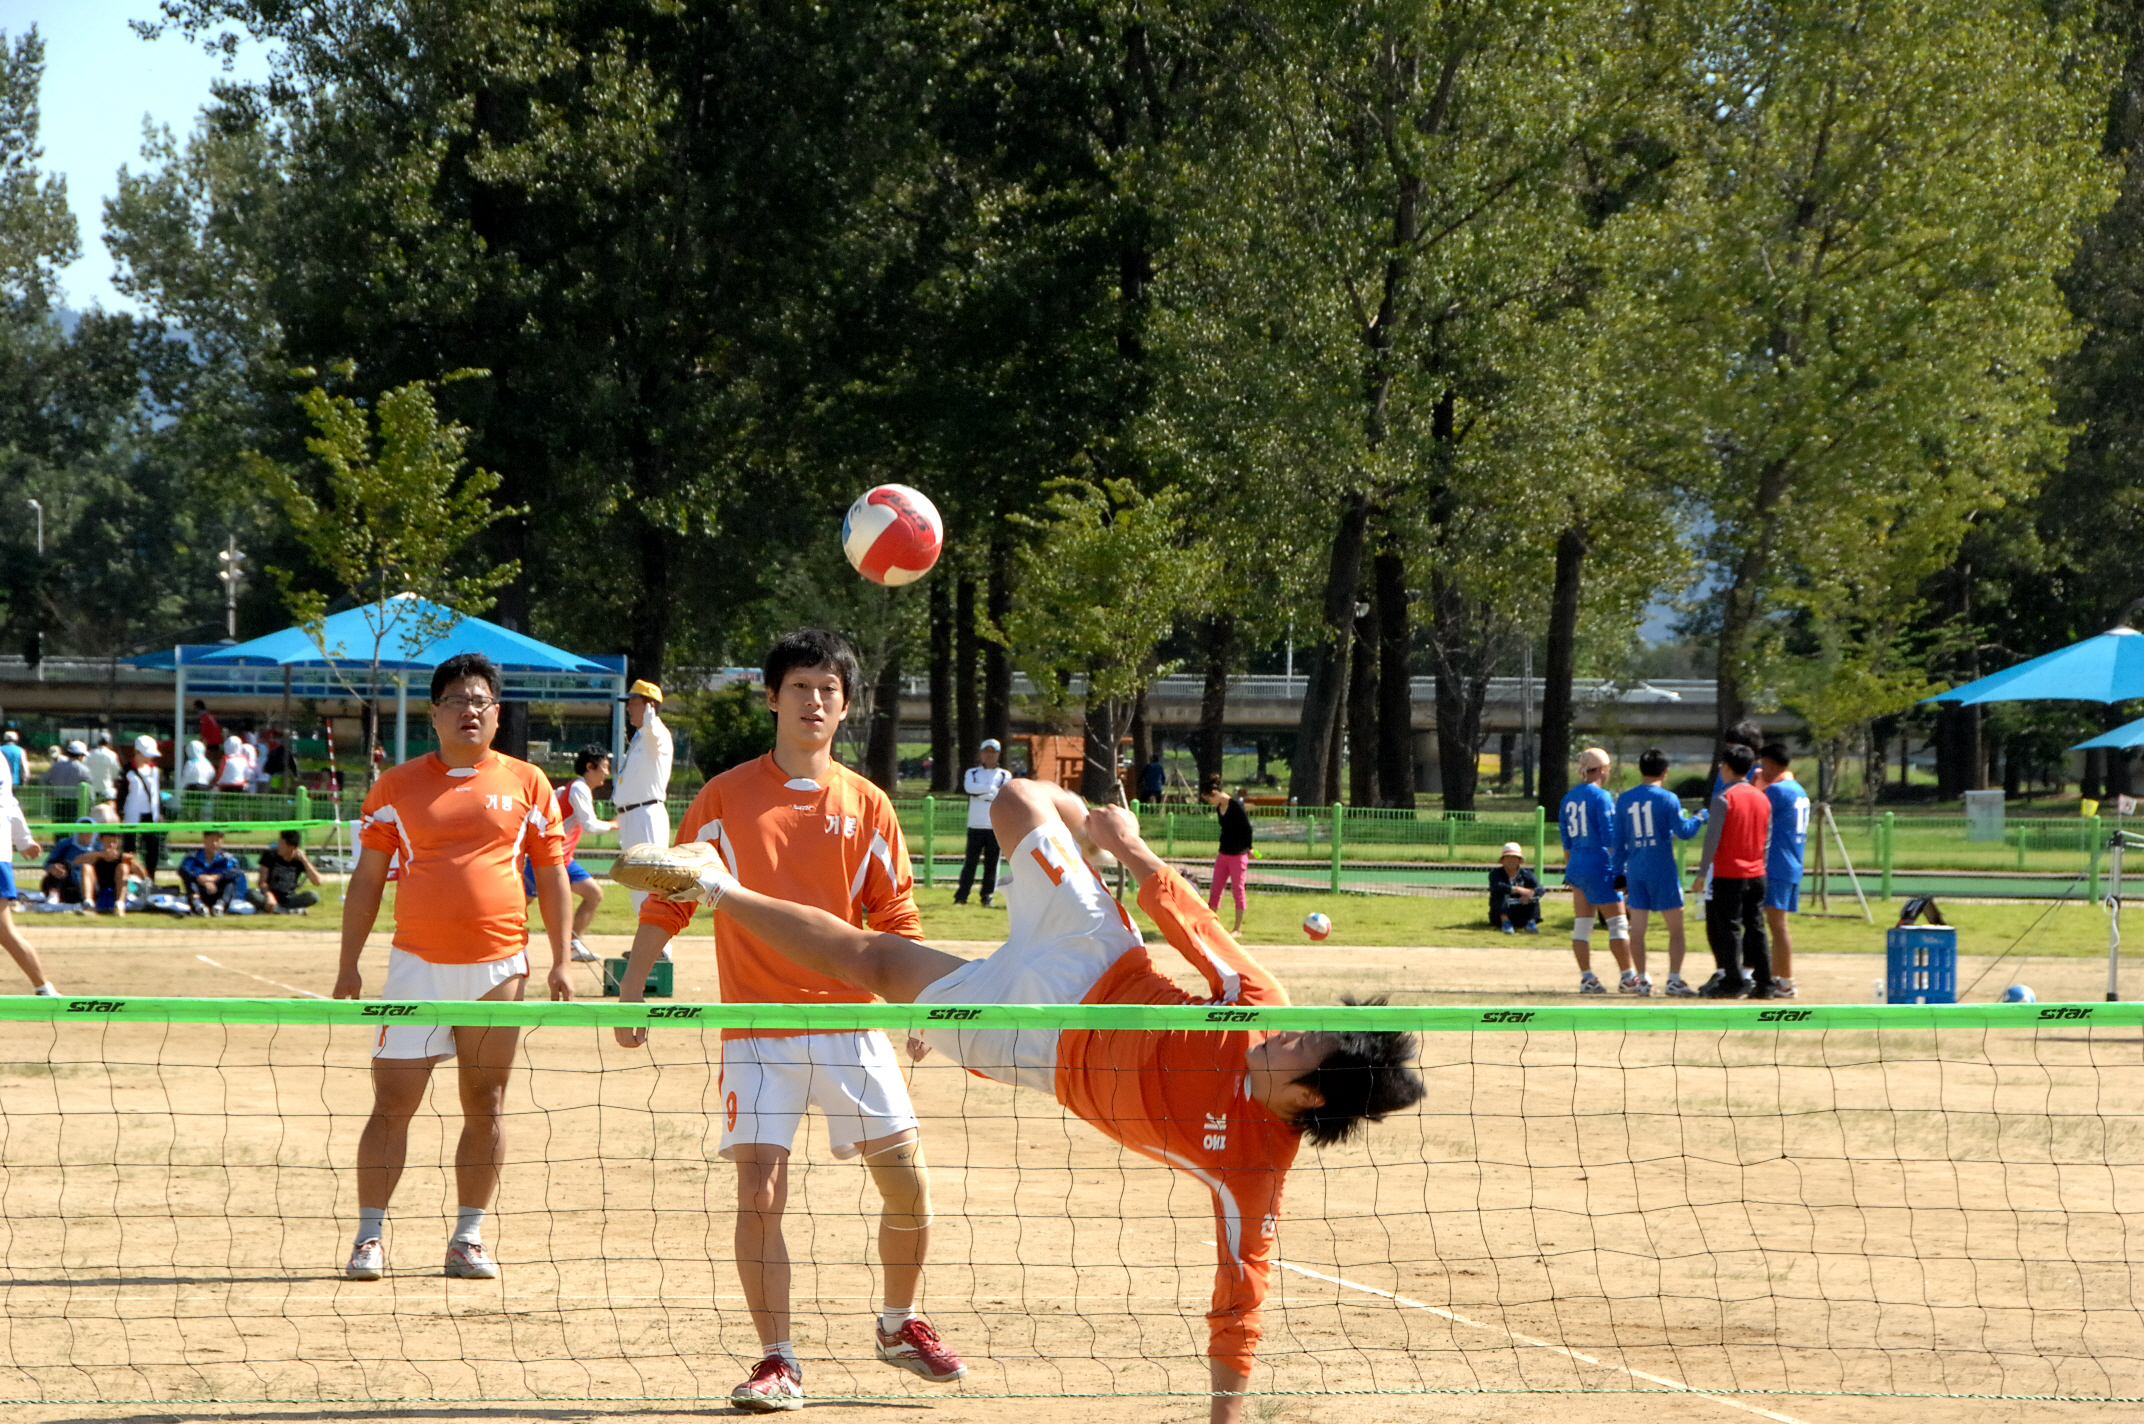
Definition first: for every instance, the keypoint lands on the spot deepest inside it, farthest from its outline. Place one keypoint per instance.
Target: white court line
(257, 978)
(1661, 1380)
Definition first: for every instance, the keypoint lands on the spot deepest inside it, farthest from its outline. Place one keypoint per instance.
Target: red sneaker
(917, 1349)
(775, 1385)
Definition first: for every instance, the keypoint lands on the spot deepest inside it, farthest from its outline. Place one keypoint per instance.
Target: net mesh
(1894, 1200)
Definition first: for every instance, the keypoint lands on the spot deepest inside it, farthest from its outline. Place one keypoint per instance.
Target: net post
(2092, 870)
(2114, 922)
(1168, 820)
(930, 841)
(1339, 840)
(1540, 837)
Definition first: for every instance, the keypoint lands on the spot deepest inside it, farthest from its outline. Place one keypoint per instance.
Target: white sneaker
(693, 871)
(469, 1261)
(582, 954)
(1645, 986)
(368, 1261)
(46, 991)
(1628, 984)
(1679, 988)
(1589, 983)
(1783, 989)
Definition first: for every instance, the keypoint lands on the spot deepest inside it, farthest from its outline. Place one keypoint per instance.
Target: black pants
(1734, 927)
(983, 846)
(147, 850)
(1521, 912)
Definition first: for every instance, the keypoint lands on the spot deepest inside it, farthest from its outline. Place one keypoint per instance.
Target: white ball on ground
(2020, 994)
(1316, 925)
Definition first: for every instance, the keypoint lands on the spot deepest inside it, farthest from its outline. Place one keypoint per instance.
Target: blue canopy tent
(412, 636)
(2123, 738)
(2106, 668)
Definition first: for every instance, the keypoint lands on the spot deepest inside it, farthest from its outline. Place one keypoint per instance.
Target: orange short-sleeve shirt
(460, 833)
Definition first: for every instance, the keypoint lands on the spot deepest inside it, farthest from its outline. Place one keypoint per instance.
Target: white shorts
(1066, 930)
(643, 825)
(853, 1078)
(411, 980)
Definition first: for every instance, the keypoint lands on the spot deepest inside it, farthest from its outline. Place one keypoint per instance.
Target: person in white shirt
(232, 776)
(15, 836)
(102, 764)
(577, 816)
(982, 784)
(643, 779)
(144, 801)
(197, 772)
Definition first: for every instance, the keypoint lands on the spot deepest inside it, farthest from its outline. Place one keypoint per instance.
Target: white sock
(46, 991)
(892, 1317)
(470, 1225)
(787, 1351)
(371, 1223)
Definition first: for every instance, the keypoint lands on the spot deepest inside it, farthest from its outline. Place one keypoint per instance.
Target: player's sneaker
(582, 954)
(1783, 989)
(1628, 984)
(1589, 983)
(469, 1261)
(1719, 986)
(368, 1261)
(1679, 988)
(916, 1348)
(693, 871)
(775, 1385)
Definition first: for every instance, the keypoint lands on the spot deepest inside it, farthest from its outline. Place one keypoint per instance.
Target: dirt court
(1916, 1214)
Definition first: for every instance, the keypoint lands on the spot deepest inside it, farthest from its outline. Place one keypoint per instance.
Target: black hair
(1776, 753)
(465, 665)
(810, 648)
(587, 757)
(1652, 762)
(1738, 758)
(1364, 1078)
(1746, 733)
(291, 838)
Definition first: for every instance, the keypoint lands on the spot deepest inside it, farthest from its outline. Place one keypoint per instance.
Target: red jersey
(1182, 1097)
(1745, 832)
(459, 833)
(837, 847)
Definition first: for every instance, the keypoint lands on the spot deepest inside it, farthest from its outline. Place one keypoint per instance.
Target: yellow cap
(644, 688)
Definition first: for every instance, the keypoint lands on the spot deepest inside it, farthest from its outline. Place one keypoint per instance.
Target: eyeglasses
(469, 704)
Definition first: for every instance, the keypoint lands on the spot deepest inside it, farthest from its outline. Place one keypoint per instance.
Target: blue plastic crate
(1923, 967)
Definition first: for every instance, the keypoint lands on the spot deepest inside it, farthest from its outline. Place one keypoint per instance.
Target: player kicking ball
(1230, 1109)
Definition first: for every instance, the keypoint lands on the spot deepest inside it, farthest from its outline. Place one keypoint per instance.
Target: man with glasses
(459, 819)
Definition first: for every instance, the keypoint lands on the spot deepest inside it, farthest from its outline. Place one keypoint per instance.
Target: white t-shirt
(644, 775)
(144, 801)
(981, 784)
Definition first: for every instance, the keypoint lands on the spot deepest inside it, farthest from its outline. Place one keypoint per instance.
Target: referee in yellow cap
(643, 778)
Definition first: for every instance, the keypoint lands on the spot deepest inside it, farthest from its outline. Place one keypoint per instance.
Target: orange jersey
(837, 846)
(459, 833)
(1181, 1098)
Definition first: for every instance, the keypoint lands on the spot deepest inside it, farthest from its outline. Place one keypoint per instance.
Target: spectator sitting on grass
(103, 875)
(212, 876)
(61, 884)
(1514, 893)
(285, 868)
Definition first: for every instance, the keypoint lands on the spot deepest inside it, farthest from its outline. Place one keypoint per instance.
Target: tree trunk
(997, 658)
(652, 604)
(1460, 636)
(1325, 688)
(945, 761)
(1098, 777)
(1958, 757)
(1743, 599)
(1336, 745)
(968, 719)
(1560, 666)
(1363, 750)
(882, 753)
(1142, 732)
(1213, 700)
(1395, 688)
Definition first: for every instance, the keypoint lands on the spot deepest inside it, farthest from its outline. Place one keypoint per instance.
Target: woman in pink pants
(1232, 866)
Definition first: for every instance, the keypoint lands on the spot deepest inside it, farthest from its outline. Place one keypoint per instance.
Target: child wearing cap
(1514, 893)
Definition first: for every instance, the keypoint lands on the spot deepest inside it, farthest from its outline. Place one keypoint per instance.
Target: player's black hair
(1775, 753)
(1738, 758)
(810, 648)
(1652, 762)
(464, 665)
(291, 838)
(587, 757)
(1364, 1078)
(1746, 733)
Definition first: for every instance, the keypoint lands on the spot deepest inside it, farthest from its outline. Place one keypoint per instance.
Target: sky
(101, 80)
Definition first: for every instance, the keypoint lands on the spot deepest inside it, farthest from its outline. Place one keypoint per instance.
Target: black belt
(638, 804)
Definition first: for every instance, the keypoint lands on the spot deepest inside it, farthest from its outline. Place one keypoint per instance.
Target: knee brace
(1619, 927)
(1582, 929)
(904, 1185)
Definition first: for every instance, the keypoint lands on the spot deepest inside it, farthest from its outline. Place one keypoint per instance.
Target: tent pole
(401, 718)
(2114, 924)
(617, 720)
(178, 712)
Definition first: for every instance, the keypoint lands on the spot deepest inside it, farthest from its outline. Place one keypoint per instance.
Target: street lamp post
(39, 509)
(233, 570)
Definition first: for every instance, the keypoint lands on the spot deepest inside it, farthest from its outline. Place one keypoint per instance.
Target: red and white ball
(1316, 925)
(892, 535)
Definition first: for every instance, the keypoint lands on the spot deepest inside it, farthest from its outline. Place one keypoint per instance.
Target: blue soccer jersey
(1651, 820)
(1790, 831)
(1588, 817)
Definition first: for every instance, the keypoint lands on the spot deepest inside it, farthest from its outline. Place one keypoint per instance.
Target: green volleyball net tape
(45, 829)
(833, 1018)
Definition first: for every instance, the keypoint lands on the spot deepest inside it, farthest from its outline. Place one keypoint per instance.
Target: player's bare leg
(398, 1086)
(1582, 949)
(19, 950)
(1637, 939)
(1782, 943)
(762, 1250)
(484, 1060)
(590, 895)
(1677, 942)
